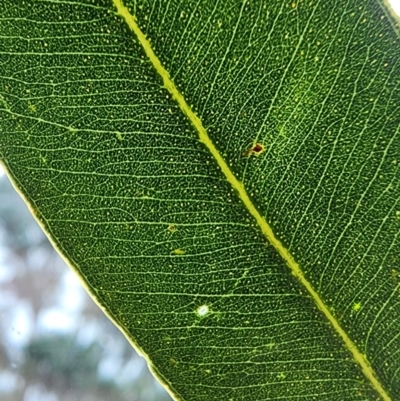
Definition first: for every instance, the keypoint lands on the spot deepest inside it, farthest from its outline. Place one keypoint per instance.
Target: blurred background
(395, 4)
(55, 342)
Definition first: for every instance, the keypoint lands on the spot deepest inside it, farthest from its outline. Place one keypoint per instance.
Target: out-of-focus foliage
(56, 353)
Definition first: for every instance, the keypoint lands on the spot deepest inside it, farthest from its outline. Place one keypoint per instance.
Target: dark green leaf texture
(117, 175)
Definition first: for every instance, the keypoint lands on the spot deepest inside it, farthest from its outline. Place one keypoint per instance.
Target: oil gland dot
(203, 310)
(172, 228)
(178, 252)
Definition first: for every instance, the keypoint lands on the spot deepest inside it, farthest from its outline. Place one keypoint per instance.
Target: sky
(395, 5)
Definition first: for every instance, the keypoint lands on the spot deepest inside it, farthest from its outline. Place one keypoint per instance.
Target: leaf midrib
(130, 19)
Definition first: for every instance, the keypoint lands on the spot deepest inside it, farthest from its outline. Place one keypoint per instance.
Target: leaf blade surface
(91, 175)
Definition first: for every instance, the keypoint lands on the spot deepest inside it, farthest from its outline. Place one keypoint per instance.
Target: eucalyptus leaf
(224, 177)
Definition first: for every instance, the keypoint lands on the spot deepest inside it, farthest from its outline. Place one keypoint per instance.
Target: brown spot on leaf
(256, 149)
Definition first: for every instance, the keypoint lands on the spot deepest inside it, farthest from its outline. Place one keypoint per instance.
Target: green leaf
(224, 177)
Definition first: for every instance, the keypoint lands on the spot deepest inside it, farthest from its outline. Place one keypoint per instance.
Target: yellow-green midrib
(242, 193)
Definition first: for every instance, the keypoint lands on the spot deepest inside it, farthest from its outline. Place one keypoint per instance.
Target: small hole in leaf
(203, 310)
